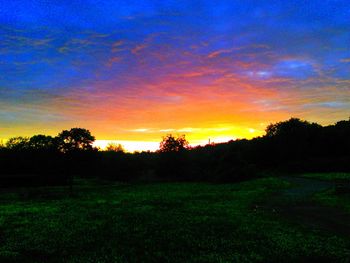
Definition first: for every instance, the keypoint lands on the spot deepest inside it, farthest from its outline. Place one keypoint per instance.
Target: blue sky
(121, 66)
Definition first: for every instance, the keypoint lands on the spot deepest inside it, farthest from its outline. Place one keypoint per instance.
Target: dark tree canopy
(289, 146)
(42, 142)
(343, 125)
(291, 127)
(171, 143)
(76, 139)
(17, 143)
(115, 147)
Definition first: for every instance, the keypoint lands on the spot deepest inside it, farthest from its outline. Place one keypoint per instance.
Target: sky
(134, 71)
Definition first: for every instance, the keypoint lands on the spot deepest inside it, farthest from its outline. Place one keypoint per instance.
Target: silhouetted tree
(291, 127)
(74, 143)
(293, 145)
(17, 143)
(172, 163)
(170, 143)
(114, 147)
(42, 143)
(76, 139)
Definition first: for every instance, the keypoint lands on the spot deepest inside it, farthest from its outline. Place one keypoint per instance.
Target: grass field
(255, 221)
(328, 176)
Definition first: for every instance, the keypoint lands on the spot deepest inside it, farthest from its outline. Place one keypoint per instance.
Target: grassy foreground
(166, 222)
(328, 176)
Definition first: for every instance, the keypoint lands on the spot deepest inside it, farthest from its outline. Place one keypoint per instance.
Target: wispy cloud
(345, 60)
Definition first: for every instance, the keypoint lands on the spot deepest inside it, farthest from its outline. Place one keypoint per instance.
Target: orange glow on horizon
(138, 115)
(195, 137)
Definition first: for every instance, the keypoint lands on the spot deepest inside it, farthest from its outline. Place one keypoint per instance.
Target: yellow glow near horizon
(148, 139)
(152, 145)
(129, 146)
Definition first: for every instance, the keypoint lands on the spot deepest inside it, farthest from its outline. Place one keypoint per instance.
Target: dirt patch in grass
(297, 205)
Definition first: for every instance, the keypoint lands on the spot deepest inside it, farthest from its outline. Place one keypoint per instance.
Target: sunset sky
(134, 71)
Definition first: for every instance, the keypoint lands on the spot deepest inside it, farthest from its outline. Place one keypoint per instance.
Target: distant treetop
(115, 147)
(293, 126)
(76, 139)
(171, 143)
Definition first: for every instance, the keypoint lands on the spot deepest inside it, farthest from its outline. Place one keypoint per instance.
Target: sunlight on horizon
(139, 146)
(129, 146)
(149, 139)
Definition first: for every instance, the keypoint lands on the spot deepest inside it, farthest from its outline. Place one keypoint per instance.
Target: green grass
(334, 199)
(169, 222)
(328, 176)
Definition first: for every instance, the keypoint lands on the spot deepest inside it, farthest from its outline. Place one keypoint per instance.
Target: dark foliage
(43, 143)
(171, 143)
(76, 139)
(289, 146)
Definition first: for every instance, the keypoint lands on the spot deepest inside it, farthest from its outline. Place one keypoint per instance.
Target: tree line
(75, 139)
(289, 146)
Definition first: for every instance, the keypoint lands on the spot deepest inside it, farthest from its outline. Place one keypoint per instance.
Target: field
(275, 219)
